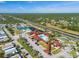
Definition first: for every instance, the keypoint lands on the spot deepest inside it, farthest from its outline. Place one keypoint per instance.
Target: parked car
(31, 46)
(22, 48)
(36, 43)
(27, 54)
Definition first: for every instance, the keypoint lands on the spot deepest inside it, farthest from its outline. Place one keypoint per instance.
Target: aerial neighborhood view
(40, 29)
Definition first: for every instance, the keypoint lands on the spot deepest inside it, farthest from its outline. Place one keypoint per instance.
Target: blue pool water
(23, 28)
(42, 36)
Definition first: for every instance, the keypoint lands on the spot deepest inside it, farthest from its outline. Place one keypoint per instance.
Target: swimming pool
(24, 28)
(44, 37)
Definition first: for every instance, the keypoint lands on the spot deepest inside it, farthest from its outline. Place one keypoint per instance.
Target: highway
(47, 28)
(56, 30)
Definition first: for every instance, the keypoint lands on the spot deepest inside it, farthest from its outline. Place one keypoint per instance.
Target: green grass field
(73, 53)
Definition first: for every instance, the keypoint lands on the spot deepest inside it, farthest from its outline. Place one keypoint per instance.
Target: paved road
(56, 30)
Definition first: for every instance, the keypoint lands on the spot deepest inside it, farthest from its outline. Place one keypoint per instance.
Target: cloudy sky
(39, 7)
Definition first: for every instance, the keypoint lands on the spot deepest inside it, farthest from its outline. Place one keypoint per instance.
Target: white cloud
(30, 1)
(21, 8)
(2, 1)
(60, 9)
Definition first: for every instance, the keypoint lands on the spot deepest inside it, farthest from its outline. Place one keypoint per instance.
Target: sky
(39, 6)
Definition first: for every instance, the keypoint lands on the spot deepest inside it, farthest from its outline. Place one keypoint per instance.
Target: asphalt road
(56, 30)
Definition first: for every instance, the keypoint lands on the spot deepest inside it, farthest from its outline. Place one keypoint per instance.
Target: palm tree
(51, 37)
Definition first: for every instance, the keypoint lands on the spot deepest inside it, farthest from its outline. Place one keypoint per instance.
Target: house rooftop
(11, 50)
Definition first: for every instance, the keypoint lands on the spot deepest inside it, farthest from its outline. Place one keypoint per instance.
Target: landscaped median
(28, 48)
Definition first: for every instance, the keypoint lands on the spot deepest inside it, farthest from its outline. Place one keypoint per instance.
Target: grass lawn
(68, 42)
(73, 53)
(27, 47)
(56, 50)
(43, 44)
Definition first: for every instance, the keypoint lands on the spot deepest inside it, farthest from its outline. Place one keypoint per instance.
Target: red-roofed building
(36, 35)
(56, 43)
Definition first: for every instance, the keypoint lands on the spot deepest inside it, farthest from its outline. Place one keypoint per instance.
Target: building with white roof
(9, 50)
(7, 46)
